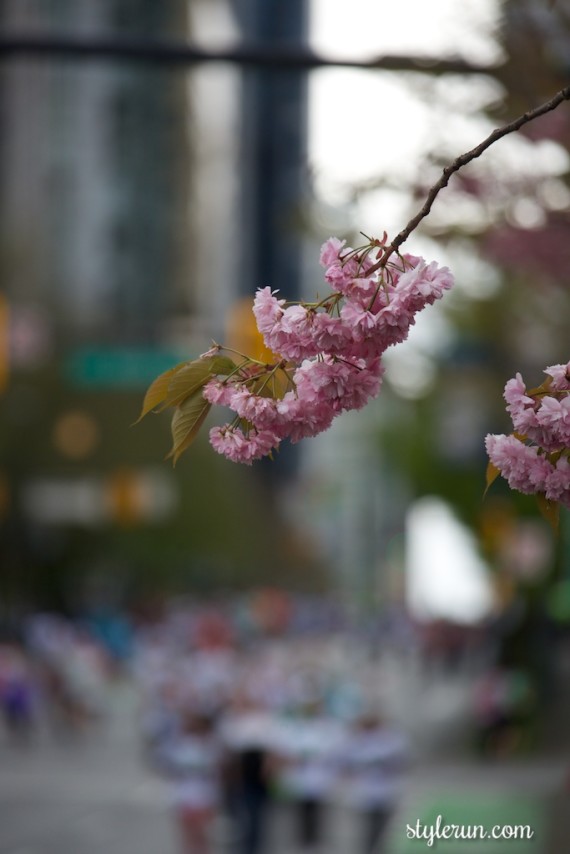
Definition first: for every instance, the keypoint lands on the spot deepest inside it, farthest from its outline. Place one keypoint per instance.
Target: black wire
(183, 54)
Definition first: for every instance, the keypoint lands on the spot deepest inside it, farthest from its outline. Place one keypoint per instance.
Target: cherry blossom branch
(463, 160)
(333, 363)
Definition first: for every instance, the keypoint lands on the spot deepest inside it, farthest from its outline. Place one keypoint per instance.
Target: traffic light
(123, 493)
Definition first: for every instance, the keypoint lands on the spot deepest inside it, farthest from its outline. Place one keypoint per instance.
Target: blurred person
(114, 632)
(16, 691)
(158, 719)
(375, 756)
(209, 673)
(247, 731)
(85, 672)
(505, 703)
(308, 749)
(48, 638)
(73, 669)
(192, 759)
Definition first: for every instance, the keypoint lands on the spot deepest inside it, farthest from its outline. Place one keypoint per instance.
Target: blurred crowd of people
(55, 673)
(233, 727)
(248, 703)
(240, 707)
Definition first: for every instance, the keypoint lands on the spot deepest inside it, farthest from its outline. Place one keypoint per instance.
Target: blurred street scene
(311, 733)
(317, 653)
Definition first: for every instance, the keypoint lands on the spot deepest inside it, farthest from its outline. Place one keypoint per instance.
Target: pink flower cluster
(375, 313)
(329, 351)
(541, 417)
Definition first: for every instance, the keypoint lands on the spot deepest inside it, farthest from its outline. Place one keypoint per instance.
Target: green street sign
(118, 367)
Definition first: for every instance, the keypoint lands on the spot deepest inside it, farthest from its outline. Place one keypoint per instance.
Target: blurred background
(360, 582)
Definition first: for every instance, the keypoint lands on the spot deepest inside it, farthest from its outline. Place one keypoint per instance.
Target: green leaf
(491, 475)
(222, 364)
(193, 376)
(158, 390)
(274, 387)
(186, 423)
(550, 510)
(262, 386)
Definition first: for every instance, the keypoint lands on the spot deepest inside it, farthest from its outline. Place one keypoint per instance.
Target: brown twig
(459, 162)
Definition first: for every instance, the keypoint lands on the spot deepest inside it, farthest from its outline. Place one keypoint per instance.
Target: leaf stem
(246, 358)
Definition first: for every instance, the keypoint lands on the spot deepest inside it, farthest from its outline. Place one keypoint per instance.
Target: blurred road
(93, 795)
(83, 795)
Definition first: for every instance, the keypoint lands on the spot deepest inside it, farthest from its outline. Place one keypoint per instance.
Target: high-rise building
(95, 172)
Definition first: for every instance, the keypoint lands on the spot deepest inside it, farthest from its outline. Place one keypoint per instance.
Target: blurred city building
(135, 195)
(95, 223)
(140, 204)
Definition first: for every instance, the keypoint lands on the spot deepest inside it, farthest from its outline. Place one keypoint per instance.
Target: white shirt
(374, 762)
(193, 763)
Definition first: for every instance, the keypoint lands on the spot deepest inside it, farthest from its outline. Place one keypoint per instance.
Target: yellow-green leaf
(550, 510)
(187, 381)
(221, 365)
(282, 384)
(186, 423)
(491, 475)
(193, 376)
(158, 390)
(274, 385)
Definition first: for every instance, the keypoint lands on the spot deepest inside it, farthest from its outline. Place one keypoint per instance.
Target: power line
(168, 53)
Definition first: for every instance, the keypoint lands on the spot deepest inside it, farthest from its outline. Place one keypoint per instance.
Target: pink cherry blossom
(554, 416)
(303, 417)
(230, 442)
(330, 251)
(342, 385)
(259, 411)
(267, 309)
(362, 322)
(218, 392)
(330, 349)
(560, 377)
(362, 291)
(342, 271)
(292, 335)
(262, 442)
(519, 464)
(543, 419)
(331, 334)
(558, 482)
(239, 448)
(434, 280)
(520, 406)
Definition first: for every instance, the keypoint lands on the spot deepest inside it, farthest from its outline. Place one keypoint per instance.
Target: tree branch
(462, 160)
